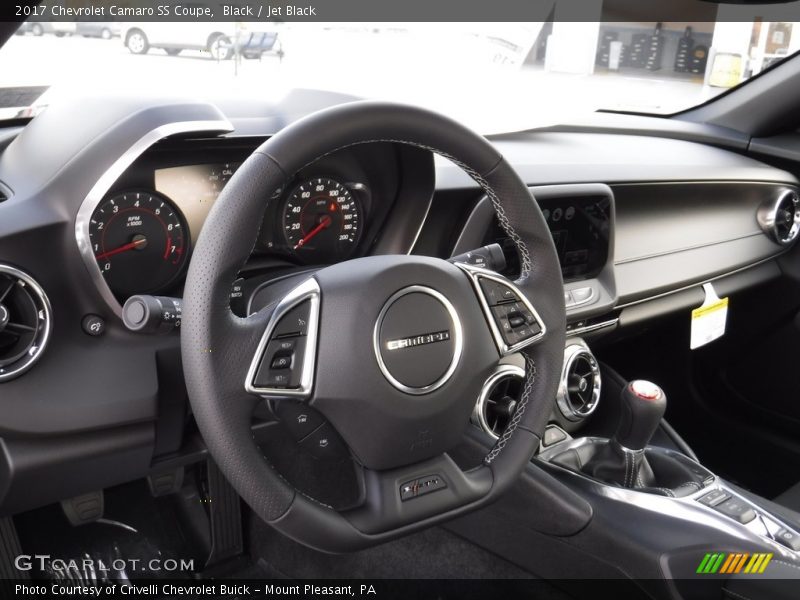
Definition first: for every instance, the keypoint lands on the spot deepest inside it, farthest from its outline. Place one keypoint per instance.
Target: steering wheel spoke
(509, 313)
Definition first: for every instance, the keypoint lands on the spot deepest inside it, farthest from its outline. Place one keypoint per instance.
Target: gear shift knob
(642, 405)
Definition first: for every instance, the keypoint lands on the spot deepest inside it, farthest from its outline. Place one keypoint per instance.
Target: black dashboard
(640, 223)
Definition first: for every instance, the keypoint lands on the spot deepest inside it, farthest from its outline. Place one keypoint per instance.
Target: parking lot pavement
(451, 73)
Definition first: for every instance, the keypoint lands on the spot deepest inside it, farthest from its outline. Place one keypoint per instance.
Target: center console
(612, 478)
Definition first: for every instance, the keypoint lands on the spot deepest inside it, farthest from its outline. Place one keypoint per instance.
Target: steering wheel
(391, 350)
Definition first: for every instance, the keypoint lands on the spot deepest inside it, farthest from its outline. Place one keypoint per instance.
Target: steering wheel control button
(294, 322)
(513, 321)
(325, 444)
(278, 367)
(300, 419)
(736, 509)
(714, 497)
(421, 486)
(283, 365)
(281, 361)
(418, 340)
(496, 292)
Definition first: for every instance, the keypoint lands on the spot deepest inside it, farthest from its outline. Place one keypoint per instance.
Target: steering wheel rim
(217, 346)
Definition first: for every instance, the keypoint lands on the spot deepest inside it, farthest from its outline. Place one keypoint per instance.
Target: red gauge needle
(124, 248)
(325, 222)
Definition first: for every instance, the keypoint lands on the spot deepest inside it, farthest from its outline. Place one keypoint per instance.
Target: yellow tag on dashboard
(709, 320)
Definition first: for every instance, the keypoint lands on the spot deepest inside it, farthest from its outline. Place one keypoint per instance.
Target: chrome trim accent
(685, 508)
(45, 314)
(589, 328)
(479, 412)
(766, 217)
(107, 179)
(308, 290)
(458, 340)
(474, 273)
(572, 352)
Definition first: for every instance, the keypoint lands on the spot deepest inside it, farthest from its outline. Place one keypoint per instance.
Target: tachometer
(139, 240)
(321, 221)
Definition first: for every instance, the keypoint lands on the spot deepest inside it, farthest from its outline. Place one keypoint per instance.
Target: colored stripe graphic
(735, 562)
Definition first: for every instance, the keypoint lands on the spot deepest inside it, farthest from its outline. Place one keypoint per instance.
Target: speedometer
(321, 221)
(139, 241)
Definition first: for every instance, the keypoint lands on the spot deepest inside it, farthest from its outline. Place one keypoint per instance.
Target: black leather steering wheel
(394, 349)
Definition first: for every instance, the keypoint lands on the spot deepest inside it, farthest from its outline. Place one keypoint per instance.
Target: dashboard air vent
(498, 399)
(579, 390)
(25, 322)
(780, 219)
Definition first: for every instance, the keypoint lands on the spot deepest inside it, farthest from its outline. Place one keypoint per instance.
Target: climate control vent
(579, 390)
(780, 219)
(25, 322)
(498, 400)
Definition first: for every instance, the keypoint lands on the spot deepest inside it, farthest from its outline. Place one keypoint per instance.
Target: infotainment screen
(580, 227)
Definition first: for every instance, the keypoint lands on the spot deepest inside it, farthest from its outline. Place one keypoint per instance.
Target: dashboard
(113, 205)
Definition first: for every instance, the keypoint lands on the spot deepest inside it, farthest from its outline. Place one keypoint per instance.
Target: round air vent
(25, 322)
(579, 390)
(498, 399)
(781, 219)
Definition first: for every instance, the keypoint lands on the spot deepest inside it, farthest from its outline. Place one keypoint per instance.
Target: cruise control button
(294, 322)
(281, 361)
(271, 373)
(496, 292)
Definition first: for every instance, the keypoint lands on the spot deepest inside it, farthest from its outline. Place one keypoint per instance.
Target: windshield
(496, 77)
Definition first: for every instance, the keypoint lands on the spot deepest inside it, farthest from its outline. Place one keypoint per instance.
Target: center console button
(736, 509)
(714, 497)
(789, 539)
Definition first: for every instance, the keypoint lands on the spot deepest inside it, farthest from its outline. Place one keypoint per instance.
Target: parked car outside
(219, 40)
(101, 29)
(59, 29)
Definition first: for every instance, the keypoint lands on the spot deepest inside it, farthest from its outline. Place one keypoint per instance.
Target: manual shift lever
(642, 405)
(622, 461)
(625, 460)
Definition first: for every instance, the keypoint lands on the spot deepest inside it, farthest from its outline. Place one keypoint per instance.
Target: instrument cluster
(142, 238)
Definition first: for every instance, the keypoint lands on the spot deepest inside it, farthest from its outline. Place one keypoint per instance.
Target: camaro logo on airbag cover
(418, 340)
